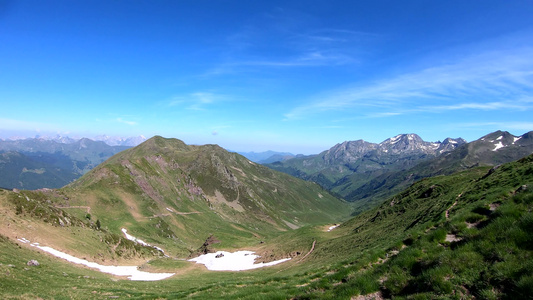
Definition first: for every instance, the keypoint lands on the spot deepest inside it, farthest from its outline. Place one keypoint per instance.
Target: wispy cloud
(12, 124)
(488, 81)
(121, 120)
(289, 39)
(383, 114)
(502, 105)
(196, 101)
(310, 59)
(522, 126)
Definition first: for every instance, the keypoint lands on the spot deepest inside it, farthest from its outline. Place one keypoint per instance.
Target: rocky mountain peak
(348, 150)
(407, 143)
(501, 139)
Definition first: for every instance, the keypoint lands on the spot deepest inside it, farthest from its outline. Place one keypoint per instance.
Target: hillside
(21, 171)
(349, 165)
(490, 150)
(39, 163)
(175, 196)
(467, 235)
(267, 156)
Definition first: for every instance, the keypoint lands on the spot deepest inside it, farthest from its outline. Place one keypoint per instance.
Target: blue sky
(297, 76)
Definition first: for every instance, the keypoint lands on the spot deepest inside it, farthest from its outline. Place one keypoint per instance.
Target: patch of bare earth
(132, 206)
(493, 206)
(374, 296)
(220, 199)
(452, 238)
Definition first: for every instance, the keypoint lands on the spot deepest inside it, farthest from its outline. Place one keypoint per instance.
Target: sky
(294, 76)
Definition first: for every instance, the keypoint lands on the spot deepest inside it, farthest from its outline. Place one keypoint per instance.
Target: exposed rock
(204, 249)
(522, 188)
(32, 262)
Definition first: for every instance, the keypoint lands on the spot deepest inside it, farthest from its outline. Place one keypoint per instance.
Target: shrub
(397, 280)
(366, 283)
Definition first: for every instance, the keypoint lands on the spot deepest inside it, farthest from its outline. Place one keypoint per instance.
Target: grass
(398, 249)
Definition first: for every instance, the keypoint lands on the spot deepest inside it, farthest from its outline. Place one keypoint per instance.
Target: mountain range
(177, 195)
(39, 163)
(467, 234)
(110, 140)
(366, 173)
(351, 163)
(268, 156)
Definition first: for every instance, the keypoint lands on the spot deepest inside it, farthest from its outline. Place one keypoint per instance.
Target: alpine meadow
(292, 149)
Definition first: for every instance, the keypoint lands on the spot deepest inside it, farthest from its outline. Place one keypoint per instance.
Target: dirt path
(310, 251)
(172, 211)
(312, 248)
(88, 208)
(455, 203)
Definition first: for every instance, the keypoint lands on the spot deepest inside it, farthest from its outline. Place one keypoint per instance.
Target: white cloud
(11, 124)
(131, 123)
(289, 42)
(488, 81)
(522, 126)
(515, 105)
(196, 101)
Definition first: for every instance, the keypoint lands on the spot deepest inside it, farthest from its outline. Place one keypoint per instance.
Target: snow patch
(395, 139)
(332, 227)
(131, 271)
(134, 239)
(498, 146)
(499, 138)
(516, 139)
(236, 261)
(23, 240)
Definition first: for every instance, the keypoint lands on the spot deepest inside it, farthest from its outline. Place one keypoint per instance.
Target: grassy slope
(20, 171)
(370, 180)
(208, 190)
(398, 249)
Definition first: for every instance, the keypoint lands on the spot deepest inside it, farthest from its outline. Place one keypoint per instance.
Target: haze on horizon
(295, 76)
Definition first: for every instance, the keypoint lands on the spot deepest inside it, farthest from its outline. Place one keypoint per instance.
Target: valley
(464, 232)
(299, 150)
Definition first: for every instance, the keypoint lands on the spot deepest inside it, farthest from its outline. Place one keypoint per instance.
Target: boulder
(32, 262)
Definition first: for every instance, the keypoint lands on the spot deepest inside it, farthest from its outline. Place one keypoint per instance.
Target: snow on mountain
(111, 141)
(502, 139)
(120, 141)
(403, 143)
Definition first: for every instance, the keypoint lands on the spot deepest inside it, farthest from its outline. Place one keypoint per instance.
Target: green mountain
(38, 163)
(349, 165)
(20, 171)
(266, 156)
(175, 196)
(467, 235)
(490, 150)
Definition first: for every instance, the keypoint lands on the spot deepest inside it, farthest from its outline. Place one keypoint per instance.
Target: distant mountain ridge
(350, 164)
(39, 163)
(267, 156)
(205, 189)
(109, 140)
(366, 173)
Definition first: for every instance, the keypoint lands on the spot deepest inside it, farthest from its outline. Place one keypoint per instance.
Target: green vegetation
(462, 236)
(36, 163)
(368, 177)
